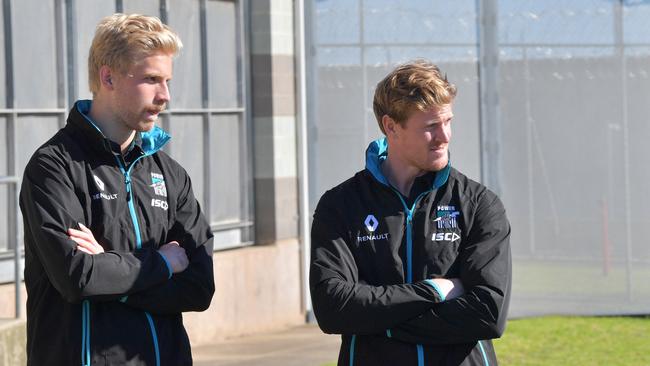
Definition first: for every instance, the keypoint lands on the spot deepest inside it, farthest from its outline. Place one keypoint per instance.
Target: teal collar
(377, 153)
(151, 141)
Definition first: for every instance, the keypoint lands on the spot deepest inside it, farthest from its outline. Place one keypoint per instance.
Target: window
(207, 117)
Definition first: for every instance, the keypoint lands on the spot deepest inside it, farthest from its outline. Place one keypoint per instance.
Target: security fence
(551, 113)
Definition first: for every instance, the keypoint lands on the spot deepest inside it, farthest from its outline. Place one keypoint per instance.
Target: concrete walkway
(301, 346)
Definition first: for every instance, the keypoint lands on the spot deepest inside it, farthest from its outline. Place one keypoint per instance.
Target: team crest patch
(446, 217)
(158, 184)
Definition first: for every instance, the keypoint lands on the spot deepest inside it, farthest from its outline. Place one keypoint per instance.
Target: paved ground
(301, 346)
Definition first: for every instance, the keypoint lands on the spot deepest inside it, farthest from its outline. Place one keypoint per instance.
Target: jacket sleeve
(50, 207)
(342, 303)
(485, 272)
(192, 289)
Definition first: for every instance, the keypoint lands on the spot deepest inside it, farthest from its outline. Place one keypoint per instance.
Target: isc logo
(445, 237)
(159, 203)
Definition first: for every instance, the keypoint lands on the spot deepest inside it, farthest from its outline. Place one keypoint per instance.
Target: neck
(399, 174)
(102, 115)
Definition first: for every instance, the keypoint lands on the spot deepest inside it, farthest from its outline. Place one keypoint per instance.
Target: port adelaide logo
(446, 219)
(159, 189)
(158, 184)
(371, 223)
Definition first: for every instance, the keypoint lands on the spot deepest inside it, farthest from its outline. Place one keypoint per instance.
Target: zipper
(409, 251)
(138, 241)
(409, 232)
(85, 305)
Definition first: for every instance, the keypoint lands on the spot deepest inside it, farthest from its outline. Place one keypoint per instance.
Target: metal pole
(71, 34)
(490, 124)
(163, 11)
(9, 54)
(529, 151)
(205, 103)
(61, 77)
(244, 97)
(364, 71)
(303, 172)
(18, 269)
(618, 28)
(13, 191)
(14, 212)
(165, 121)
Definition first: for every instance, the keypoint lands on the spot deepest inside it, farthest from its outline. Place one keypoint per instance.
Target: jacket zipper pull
(127, 180)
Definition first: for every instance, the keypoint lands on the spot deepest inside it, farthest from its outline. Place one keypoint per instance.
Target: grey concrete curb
(13, 335)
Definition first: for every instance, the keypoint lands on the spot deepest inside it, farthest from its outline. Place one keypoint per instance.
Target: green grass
(574, 341)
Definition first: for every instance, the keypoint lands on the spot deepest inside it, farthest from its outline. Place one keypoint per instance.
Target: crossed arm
(172, 252)
(143, 278)
(467, 309)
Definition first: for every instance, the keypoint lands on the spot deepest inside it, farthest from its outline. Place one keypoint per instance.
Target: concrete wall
(257, 290)
(8, 302)
(12, 343)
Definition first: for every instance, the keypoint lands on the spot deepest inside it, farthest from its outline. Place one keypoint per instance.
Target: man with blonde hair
(410, 258)
(116, 246)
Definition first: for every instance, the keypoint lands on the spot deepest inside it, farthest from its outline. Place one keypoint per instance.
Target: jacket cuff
(169, 267)
(435, 287)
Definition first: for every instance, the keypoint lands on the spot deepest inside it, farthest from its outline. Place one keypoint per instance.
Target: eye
(151, 79)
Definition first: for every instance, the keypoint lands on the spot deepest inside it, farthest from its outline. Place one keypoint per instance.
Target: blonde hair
(120, 39)
(416, 85)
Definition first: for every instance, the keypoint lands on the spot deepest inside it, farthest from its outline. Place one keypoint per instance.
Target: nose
(443, 134)
(162, 95)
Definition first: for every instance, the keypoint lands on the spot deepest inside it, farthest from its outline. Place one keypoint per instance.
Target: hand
(450, 288)
(175, 255)
(85, 240)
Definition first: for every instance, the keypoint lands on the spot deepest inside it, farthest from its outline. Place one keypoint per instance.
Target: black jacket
(373, 251)
(121, 307)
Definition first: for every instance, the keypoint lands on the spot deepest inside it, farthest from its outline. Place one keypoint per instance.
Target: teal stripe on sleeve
(436, 287)
(169, 267)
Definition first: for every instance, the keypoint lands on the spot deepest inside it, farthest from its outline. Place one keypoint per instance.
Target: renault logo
(99, 183)
(371, 223)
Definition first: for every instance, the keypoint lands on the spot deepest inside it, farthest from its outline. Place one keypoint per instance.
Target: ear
(390, 126)
(106, 77)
